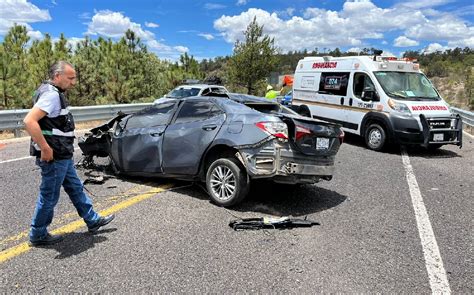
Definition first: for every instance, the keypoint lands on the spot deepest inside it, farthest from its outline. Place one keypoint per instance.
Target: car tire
(226, 182)
(375, 137)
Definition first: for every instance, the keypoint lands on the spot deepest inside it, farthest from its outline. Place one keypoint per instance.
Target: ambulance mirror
(369, 94)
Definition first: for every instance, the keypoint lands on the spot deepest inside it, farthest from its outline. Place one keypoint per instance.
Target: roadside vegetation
(124, 71)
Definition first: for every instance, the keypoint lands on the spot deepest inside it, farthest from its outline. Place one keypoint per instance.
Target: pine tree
(15, 89)
(252, 60)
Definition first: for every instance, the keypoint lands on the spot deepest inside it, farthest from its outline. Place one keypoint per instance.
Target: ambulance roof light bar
(377, 53)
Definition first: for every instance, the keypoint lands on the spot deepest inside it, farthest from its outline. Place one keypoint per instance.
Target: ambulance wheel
(375, 137)
(226, 182)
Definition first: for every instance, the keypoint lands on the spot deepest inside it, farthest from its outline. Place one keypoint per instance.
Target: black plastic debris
(96, 178)
(270, 223)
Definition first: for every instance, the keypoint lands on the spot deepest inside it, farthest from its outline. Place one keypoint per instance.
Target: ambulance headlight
(399, 107)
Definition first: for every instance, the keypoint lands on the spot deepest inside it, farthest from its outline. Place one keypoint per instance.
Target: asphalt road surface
(393, 222)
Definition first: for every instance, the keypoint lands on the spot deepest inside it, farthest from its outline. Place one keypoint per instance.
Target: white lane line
(434, 264)
(22, 158)
(14, 160)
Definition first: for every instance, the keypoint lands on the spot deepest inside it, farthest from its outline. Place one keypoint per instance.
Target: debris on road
(270, 223)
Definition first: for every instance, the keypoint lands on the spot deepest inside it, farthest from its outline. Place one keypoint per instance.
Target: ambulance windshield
(407, 85)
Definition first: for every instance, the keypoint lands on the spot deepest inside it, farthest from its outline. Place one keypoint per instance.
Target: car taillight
(301, 132)
(341, 136)
(277, 129)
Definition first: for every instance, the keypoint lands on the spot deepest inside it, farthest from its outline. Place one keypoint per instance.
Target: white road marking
(434, 264)
(22, 158)
(14, 160)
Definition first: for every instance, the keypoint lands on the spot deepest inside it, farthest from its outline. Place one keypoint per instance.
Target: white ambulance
(384, 99)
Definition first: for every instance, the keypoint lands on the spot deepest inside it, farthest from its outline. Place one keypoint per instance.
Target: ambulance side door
(333, 88)
(364, 98)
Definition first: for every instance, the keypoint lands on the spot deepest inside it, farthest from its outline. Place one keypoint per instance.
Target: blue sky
(207, 29)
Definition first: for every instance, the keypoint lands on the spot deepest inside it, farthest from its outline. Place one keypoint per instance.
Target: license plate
(438, 137)
(322, 143)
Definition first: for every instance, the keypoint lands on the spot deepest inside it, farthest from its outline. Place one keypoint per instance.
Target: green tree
(40, 58)
(252, 60)
(13, 68)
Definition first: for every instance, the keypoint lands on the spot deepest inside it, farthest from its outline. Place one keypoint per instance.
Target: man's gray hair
(57, 68)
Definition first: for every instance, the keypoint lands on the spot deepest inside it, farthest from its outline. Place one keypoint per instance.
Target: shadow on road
(76, 243)
(289, 200)
(276, 199)
(264, 196)
(413, 150)
(418, 151)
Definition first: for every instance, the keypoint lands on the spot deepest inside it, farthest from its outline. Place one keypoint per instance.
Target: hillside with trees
(124, 71)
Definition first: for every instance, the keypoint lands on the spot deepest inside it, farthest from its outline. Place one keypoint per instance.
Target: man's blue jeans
(54, 175)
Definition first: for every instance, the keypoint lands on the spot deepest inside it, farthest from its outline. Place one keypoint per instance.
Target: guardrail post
(17, 132)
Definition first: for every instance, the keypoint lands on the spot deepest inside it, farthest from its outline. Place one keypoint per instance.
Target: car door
(138, 146)
(187, 138)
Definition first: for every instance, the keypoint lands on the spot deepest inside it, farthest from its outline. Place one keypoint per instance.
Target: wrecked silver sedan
(224, 142)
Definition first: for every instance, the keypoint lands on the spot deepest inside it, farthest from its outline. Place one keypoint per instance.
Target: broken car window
(194, 111)
(158, 114)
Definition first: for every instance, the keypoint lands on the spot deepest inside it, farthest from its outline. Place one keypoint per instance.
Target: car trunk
(307, 135)
(313, 137)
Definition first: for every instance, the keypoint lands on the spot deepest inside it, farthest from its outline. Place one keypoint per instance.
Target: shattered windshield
(407, 85)
(183, 92)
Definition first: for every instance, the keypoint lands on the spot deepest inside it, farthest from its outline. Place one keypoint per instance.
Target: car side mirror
(370, 94)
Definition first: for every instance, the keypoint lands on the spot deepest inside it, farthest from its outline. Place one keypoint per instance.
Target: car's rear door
(186, 139)
(138, 147)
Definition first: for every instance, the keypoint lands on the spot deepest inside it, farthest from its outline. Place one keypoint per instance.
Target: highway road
(391, 222)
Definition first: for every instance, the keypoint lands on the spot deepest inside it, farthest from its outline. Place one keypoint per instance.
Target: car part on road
(270, 223)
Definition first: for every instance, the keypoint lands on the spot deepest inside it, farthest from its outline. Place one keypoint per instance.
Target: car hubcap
(375, 137)
(223, 183)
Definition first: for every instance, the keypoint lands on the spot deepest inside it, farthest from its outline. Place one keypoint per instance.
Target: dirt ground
(79, 126)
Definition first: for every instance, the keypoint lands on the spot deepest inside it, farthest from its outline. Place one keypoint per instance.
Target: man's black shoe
(49, 239)
(102, 221)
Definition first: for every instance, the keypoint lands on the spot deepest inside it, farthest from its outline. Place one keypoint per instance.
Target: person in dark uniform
(51, 127)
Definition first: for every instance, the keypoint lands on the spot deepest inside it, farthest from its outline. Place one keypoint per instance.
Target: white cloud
(213, 6)
(403, 41)
(353, 26)
(433, 47)
(20, 12)
(115, 24)
(35, 35)
(354, 49)
(151, 25)
(165, 51)
(181, 49)
(424, 3)
(446, 28)
(73, 42)
(242, 2)
(287, 12)
(206, 36)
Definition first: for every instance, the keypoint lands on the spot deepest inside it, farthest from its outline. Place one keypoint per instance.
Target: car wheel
(226, 182)
(375, 137)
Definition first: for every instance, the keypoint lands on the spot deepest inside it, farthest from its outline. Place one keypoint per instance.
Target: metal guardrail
(13, 119)
(467, 117)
